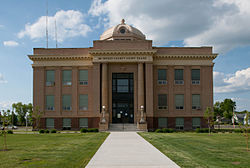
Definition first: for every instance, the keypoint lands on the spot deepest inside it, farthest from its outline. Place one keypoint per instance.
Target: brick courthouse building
(123, 79)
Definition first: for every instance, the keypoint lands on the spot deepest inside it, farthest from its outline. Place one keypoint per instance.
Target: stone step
(122, 127)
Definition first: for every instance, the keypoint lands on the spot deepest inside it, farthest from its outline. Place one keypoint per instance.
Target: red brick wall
(188, 123)
(93, 122)
(171, 122)
(75, 124)
(43, 123)
(58, 123)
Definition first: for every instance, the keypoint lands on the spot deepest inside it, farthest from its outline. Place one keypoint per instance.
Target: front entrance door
(122, 98)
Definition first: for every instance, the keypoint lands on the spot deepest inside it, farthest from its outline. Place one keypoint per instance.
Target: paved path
(129, 150)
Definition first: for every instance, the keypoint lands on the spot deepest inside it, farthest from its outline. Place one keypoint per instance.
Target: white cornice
(59, 57)
(182, 56)
(122, 52)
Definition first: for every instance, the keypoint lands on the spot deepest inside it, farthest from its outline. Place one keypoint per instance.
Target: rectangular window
(50, 102)
(83, 102)
(67, 77)
(196, 101)
(196, 122)
(179, 123)
(162, 76)
(162, 102)
(195, 73)
(179, 101)
(83, 77)
(66, 102)
(178, 76)
(66, 123)
(162, 122)
(50, 123)
(83, 122)
(50, 78)
(122, 85)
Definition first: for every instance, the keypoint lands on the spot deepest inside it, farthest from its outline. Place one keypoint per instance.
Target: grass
(192, 150)
(50, 150)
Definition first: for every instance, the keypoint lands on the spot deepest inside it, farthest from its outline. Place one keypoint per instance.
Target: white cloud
(237, 82)
(223, 24)
(10, 43)
(5, 105)
(69, 24)
(2, 80)
(1, 26)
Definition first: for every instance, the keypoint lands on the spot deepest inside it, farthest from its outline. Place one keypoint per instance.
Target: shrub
(93, 130)
(158, 130)
(167, 130)
(197, 130)
(46, 131)
(41, 131)
(83, 130)
(170, 130)
(9, 132)
(53, 131)
(238, 131)
(202, 130)
(164, 130)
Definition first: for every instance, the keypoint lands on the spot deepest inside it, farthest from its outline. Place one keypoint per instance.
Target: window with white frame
(196, 102)
(50, 103)
(196, 122)
(162, 102)
(83, 122)
(50, 123)
(83, 102)
(66, 102)
(162, 76)
(83, 77)
(67, 77)
(162, 122)
(66, 123)
(178, 77)
(179, 101)
(50, 78)
(195, 74)
(179, 123)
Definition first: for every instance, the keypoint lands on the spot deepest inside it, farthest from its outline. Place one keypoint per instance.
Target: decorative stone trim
(122, 52)
(59, 57)
(62, 63)
(210, 57)
(182, 62)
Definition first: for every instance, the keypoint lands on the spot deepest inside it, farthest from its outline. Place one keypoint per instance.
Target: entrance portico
(123, 84)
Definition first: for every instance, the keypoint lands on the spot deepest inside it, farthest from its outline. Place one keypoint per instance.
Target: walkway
(129, 150)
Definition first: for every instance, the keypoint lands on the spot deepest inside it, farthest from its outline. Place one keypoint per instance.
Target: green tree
(5, 121)
(217, 110)
(209, 116)
(36, 116)
(227, 107)
(21, 110)
(245, 128)
(30, 113)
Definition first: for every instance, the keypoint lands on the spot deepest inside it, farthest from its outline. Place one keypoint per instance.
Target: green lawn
(200, 150)
(50, 150)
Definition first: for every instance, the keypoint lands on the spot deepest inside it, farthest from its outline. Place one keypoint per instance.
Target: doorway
(122, 98)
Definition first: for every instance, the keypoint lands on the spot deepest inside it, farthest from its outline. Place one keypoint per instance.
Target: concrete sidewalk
(129, 150)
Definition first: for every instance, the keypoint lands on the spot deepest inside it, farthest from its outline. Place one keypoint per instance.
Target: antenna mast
(47, 38)
(55, 33)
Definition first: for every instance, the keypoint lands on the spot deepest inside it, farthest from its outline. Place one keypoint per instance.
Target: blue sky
(223, 24)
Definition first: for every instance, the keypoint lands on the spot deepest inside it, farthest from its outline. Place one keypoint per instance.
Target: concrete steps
(122, 127)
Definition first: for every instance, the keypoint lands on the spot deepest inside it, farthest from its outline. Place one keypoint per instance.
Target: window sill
(83, 110)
